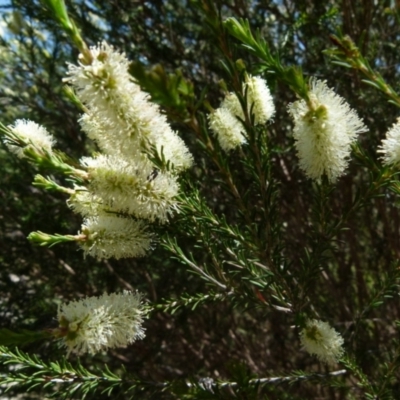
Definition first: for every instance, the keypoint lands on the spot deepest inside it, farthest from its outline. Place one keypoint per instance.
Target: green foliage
(62, 378)
(292, 76)
(9, 338)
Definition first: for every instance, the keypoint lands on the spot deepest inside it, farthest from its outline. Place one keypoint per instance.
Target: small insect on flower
(99, 323)
(153, 175)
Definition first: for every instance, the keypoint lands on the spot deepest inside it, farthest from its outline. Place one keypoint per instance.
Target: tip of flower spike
(119, 116)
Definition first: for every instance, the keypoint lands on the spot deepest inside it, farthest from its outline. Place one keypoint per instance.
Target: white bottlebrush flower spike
(227, 128)
(94, 324)
(120, 116)
(85, 203)
(259, 99)
(225, 121)
(320, 339)
(106, 236)
(136, 188)
(232, 104)
(32, 134)
(391, 145)
(324, 131)
(127, 127)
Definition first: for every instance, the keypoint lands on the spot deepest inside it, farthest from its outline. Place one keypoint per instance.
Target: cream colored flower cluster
(120, 117)
(125, 191)
(122, 190)
(226, 121)
(324, 129)
(29, 135)
(320, 339)
(390, 147)
(98, 323)
(121, 193)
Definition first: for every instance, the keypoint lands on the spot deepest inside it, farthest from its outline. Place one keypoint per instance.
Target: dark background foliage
(220, 340)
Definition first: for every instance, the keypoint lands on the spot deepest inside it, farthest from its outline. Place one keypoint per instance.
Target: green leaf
(60, 12)
(10, 338)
